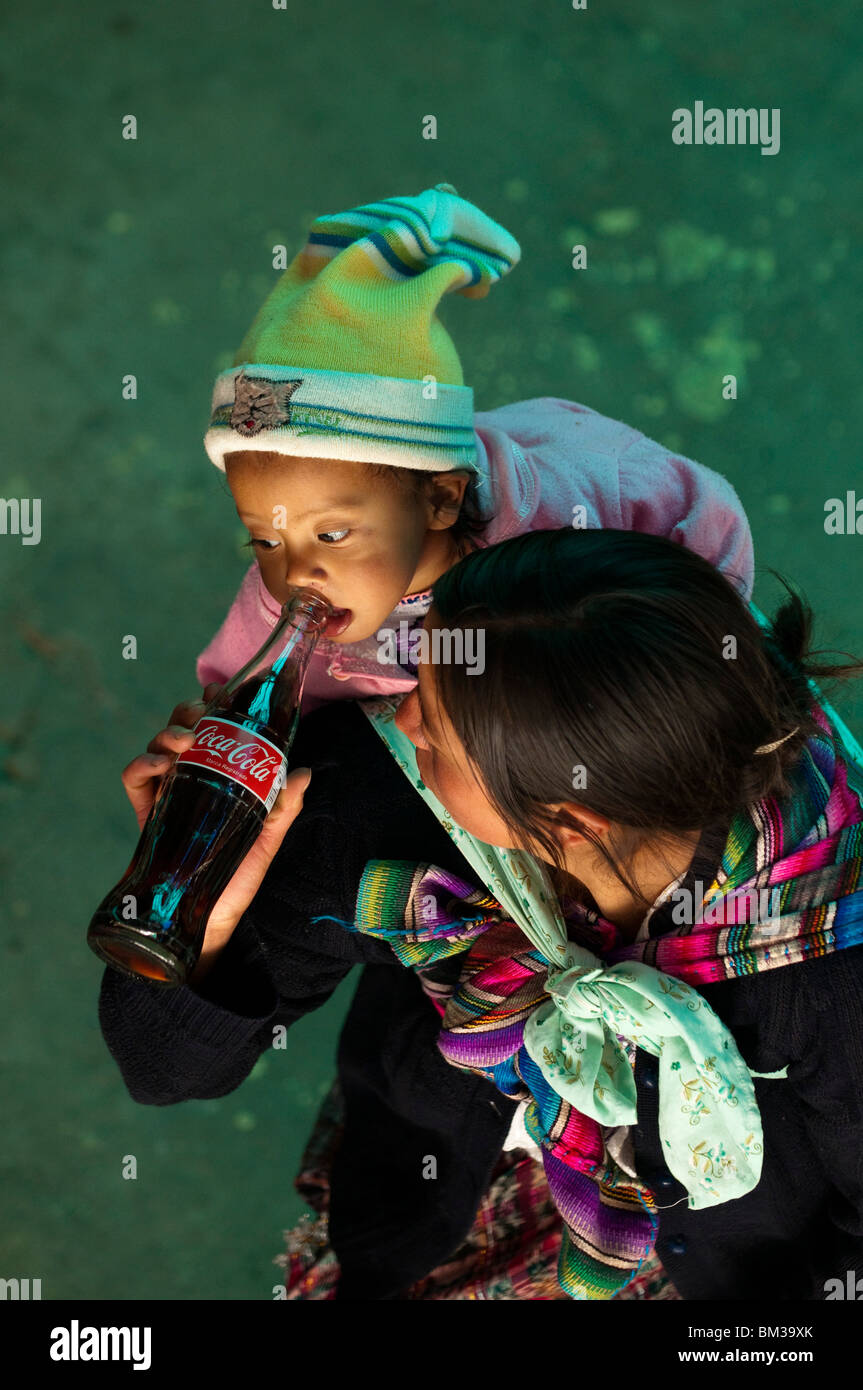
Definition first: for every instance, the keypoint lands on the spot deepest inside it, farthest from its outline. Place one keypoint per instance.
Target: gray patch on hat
(260, 404)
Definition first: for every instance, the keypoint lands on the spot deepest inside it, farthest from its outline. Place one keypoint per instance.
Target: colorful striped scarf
(804, 855)
(545, 1028)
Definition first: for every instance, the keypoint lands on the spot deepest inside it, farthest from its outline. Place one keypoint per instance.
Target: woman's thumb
(292, 793)
(302, 776)
(287, 806)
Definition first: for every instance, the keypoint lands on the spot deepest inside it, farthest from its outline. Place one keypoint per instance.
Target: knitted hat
(346, 359)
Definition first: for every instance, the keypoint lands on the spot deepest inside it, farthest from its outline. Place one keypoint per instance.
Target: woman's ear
(444, 495)
(569, 816)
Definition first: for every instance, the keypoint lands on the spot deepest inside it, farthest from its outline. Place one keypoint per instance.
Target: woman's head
(626, 688)
(360, 533)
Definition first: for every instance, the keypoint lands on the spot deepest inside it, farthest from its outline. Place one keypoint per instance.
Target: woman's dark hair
(632, 658)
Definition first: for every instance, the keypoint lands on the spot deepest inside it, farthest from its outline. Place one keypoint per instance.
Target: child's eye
(330, 537)
(263, 545)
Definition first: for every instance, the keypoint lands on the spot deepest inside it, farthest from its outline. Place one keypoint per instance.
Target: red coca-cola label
(225, 747)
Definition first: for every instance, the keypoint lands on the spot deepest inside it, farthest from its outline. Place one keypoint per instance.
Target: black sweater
(389, 1225)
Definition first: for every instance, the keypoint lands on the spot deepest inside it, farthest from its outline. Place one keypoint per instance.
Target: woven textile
(510, 1253)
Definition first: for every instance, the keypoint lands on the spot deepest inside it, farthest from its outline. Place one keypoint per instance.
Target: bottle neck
(290, 644)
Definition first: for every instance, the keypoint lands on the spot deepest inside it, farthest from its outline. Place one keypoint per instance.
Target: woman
(636, 731)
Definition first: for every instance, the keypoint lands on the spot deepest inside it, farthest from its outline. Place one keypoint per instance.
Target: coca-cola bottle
(210, 807)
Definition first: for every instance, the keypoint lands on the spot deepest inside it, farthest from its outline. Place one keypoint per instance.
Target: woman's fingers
(140, 781)
(142, 776)
(190, 711)
(187, 714)
(171, 740)
(184, 717)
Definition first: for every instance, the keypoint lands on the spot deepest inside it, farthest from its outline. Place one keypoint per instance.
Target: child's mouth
(339, 620)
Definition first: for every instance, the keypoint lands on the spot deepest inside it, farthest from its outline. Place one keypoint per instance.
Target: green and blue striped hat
(347, 359)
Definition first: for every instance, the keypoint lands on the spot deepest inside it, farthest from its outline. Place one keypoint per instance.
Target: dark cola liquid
(200, 828)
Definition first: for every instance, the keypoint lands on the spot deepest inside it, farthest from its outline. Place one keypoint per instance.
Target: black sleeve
(198, 1043)
(826, 1082)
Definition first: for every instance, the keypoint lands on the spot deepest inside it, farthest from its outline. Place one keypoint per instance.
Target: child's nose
(303, 569)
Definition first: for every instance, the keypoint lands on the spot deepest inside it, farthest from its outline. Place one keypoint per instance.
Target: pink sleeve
(667, 494)
(550, 455)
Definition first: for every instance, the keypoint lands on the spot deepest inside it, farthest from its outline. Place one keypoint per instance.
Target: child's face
(361, 540)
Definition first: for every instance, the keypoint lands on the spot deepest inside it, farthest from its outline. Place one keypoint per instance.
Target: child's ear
(444, 494)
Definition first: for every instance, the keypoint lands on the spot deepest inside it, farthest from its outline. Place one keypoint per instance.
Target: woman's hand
(142, 776)
(141, 780)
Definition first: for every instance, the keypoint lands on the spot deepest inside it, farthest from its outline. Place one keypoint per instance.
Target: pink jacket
(540, 459)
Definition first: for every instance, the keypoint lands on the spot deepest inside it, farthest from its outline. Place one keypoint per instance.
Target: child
(354, 456)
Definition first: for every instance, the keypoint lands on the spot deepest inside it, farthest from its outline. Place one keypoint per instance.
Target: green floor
(150, 257)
